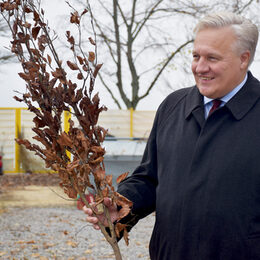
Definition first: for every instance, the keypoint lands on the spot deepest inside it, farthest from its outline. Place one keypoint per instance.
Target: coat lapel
(245, 99)
(194, 106)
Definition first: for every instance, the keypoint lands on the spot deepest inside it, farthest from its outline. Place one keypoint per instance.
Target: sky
(11, 82)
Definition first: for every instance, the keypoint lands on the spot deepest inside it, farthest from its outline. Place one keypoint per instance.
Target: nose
(201, 66)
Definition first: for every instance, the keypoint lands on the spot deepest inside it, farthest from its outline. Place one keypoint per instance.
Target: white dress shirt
(208, 101)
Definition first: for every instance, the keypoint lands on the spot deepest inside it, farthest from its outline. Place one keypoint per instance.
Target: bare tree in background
(49, 87)
(5, 55)
(143, 39)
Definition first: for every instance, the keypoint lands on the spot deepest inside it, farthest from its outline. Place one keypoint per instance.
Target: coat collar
(194, 101)
(239, 105)
(244, 100)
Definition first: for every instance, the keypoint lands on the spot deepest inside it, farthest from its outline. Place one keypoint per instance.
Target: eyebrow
(208, 54)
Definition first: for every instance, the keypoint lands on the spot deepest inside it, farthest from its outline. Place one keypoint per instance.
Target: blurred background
(145, 48)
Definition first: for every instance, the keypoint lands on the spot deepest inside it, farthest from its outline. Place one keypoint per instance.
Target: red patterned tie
(216, 104)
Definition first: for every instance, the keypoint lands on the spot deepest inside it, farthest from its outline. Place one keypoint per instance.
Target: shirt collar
(228, 96)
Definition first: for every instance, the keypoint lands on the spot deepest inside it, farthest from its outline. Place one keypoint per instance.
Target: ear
(245, 57)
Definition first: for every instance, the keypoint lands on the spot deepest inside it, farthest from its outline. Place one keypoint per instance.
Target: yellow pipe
(131, 122)
(12, 108)
(17, 135)
(67, 117)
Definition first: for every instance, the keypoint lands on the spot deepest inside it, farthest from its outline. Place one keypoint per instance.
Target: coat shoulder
(176, 96)
(171, 101)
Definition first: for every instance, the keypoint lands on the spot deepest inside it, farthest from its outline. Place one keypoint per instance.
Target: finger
(88, 211)
(95, 226)
(107, 202)
(92, 220)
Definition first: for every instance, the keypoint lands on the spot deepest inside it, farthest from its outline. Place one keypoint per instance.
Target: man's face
(216, 66)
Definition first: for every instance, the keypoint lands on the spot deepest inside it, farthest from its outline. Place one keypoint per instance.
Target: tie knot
(216, 104)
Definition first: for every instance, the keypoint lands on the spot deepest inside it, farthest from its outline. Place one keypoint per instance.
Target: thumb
(107, 202)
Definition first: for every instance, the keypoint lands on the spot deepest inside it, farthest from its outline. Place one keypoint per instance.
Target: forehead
(214, 40)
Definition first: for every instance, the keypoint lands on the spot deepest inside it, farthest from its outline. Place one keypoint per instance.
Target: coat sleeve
(140, 187)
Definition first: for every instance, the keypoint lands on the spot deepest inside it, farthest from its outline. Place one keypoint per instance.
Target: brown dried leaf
(74, 18)
(70, 38)
(65, 140)
(85, 68)
(91, 56)
(73, 165)
(15, 27)
(109, 180)
(35, 32)
(105, 192)
(71, 192)
(36, 16)
(92, 41)
(39, 122)
(72, 66)
(80, 59)
(80, 76)
(99, 175)
(97, 161)
(24, 76)
(119, 228)
(121, 177)
(27, 9)
(57, 73)
(84, 11)
(35, 52)
(78, 96)
(18, 99)
(97, 68)
(49, 59)
(125, 204)
(52, 82)
(26, 143)
(126, 237)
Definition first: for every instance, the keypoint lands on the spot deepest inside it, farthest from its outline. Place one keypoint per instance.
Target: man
(200, 171)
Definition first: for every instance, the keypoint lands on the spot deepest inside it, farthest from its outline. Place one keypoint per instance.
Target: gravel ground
(63, 233)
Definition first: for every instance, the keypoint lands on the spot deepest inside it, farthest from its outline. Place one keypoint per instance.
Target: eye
(195, 56)
(212, 58)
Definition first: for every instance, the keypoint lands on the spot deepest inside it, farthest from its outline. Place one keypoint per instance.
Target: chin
(205, 92)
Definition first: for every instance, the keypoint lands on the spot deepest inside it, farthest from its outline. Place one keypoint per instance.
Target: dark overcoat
(202, 178)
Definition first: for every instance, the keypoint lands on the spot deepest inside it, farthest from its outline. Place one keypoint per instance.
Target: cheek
(193, 67)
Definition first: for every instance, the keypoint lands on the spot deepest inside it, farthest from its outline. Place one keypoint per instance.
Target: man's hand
(94, 220)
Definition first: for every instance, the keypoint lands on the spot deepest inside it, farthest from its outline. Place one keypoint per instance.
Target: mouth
(205, 78)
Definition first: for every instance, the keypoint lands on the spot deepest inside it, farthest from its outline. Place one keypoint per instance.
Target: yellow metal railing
(18, 129)
(131, 122)
(120, 123)
(67, 117)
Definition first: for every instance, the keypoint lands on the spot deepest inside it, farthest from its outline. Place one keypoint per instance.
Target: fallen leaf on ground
(72, 243)
(43, 258)
(47, 245)
(88, 252)
(25, 242)
(35, 255)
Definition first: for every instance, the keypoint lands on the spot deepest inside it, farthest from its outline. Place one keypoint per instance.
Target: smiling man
(200, 171)
(217, 64)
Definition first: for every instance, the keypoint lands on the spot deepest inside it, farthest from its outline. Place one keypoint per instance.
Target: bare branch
(163, 67)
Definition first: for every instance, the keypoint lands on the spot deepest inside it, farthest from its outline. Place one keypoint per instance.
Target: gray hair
(245, 31)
